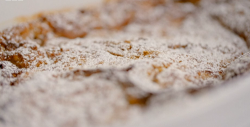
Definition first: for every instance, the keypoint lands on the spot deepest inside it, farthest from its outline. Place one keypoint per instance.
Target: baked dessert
(114, 63)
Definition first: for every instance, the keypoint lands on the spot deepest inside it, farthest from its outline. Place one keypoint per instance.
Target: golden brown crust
(112, 61)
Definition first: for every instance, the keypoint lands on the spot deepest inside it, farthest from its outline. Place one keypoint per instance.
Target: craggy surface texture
(113, 63)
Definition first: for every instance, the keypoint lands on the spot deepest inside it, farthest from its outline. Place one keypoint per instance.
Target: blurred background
(12, 9)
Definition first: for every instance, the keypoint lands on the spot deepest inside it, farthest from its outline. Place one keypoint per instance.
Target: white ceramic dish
(226, 106)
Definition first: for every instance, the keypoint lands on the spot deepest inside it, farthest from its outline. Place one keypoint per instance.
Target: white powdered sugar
(103, 66)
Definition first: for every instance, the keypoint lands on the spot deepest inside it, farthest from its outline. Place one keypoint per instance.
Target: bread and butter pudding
(115, 62)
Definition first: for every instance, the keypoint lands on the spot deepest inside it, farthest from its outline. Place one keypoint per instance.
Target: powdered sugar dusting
(103, 65)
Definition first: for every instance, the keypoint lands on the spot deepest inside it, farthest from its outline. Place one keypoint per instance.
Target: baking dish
(225, 106)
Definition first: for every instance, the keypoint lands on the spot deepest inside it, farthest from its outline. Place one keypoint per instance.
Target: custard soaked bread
(109, 64)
